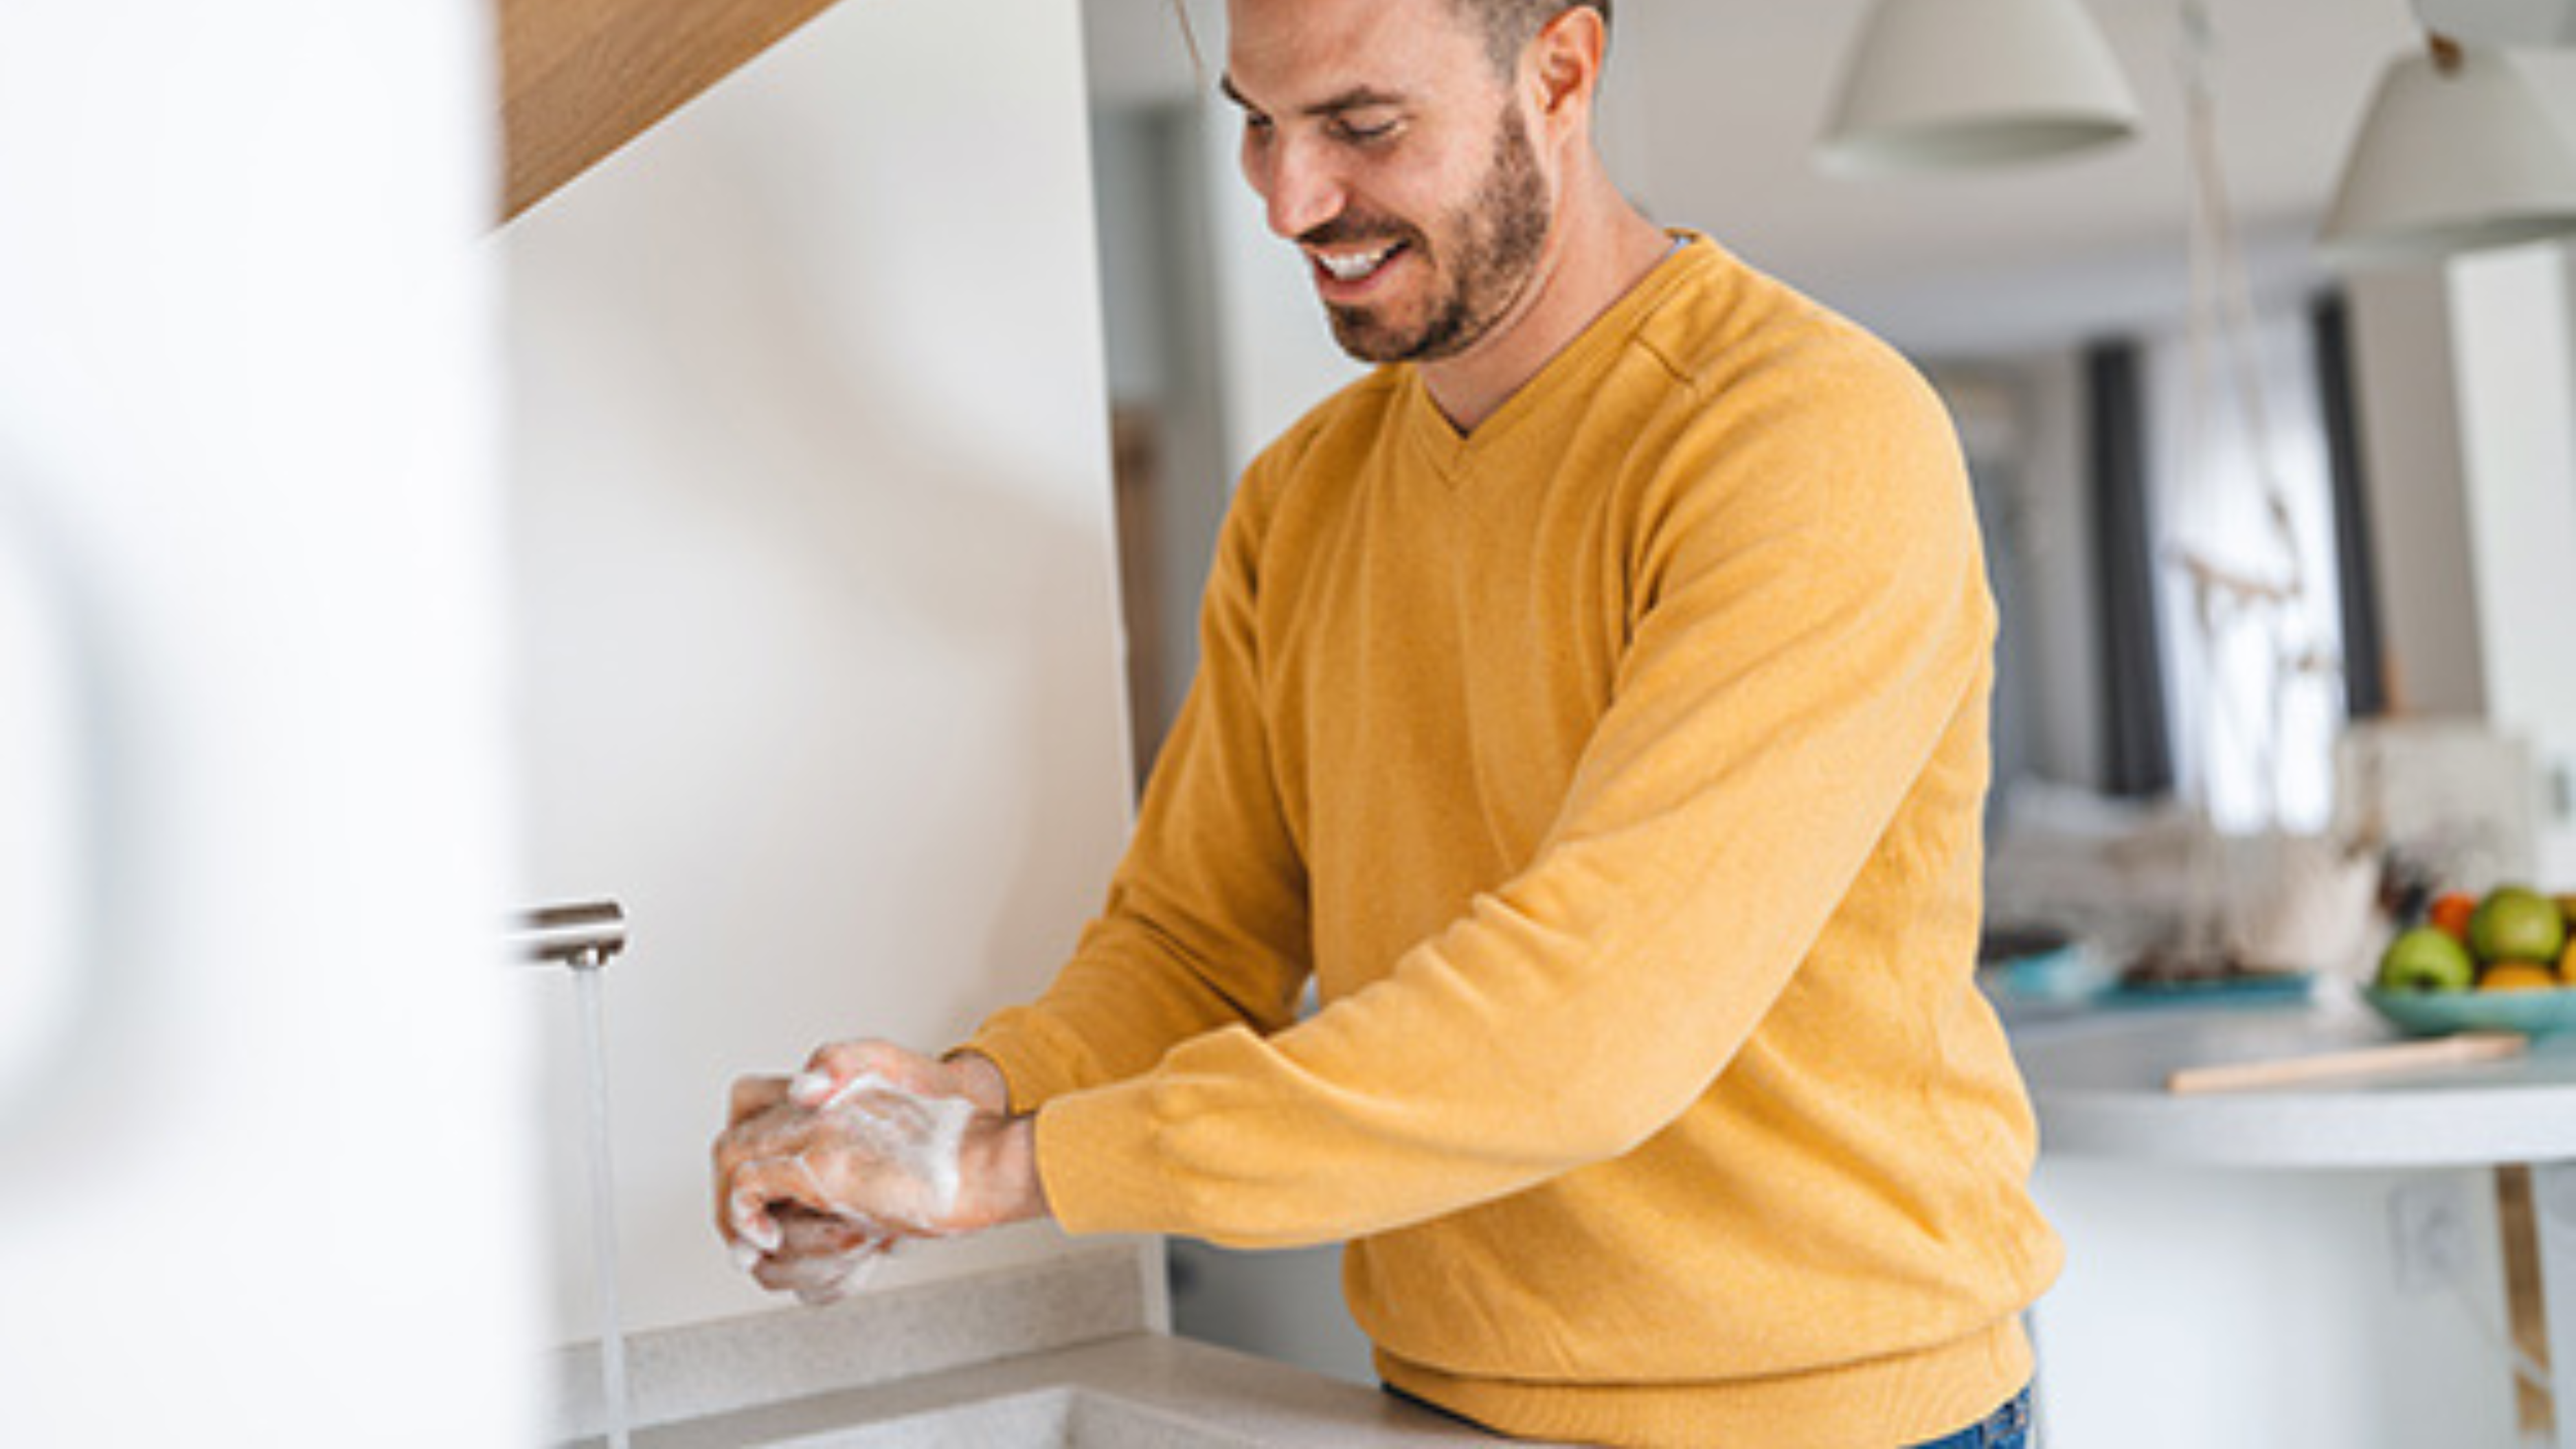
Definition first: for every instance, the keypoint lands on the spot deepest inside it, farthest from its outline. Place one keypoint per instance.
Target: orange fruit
(2450, 914)
(2567, 966)
(2518, 976)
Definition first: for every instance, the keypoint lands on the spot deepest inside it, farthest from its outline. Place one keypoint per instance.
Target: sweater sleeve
(1808, 621)
(1206, 921)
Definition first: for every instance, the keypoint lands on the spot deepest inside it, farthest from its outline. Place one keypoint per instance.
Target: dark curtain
(2365, 676)
(2138, 748)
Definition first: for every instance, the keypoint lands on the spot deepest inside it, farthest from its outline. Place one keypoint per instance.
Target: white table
(2098, 1078)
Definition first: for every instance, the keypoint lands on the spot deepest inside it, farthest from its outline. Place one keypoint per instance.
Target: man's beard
(1497, 238)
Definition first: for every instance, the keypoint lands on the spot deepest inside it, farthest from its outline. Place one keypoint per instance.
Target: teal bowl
(2439, 1013)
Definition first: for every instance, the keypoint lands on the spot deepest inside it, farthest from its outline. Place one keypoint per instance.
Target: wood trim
(581, 78)
(2520, 1232)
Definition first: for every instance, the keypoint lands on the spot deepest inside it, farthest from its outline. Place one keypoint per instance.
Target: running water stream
(603, 1202)
(583, 938)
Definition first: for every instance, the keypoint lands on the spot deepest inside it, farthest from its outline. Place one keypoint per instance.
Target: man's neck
(1604, 249)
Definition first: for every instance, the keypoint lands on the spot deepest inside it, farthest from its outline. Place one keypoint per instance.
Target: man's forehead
(1291, 56)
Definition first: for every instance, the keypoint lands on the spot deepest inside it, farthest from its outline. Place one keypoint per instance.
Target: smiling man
(1593, 708)
(1438, 233)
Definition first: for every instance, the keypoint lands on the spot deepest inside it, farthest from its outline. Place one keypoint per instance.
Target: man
(1593, 703)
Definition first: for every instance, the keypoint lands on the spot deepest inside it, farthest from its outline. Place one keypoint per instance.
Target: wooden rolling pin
(2462, 1049)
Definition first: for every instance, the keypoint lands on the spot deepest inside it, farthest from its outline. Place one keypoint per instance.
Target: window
(2248, 596)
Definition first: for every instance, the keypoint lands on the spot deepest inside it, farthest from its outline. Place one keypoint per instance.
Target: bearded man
(1593, 708)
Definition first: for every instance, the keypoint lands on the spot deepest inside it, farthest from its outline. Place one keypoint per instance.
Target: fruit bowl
(2436, 1013)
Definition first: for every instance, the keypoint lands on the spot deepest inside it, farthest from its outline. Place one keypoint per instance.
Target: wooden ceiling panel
(580, 78)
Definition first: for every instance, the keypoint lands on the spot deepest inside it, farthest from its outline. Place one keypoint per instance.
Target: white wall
(2418, 512)
(2514, 348)
(818, 669)
(2468, 381)
(267, 1182)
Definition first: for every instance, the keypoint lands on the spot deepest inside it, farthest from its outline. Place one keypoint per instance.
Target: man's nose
(1300, 190)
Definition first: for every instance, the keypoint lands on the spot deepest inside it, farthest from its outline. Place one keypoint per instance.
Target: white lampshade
(2500, 22)
(2451, 162)
(1952, 85)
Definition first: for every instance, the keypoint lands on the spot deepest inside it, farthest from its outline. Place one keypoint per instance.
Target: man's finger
(809, 1235)
(824, 1279)
(833, 1066)
(756, 1191)
(766, 1133)
(837, 1064)
(753, 1096)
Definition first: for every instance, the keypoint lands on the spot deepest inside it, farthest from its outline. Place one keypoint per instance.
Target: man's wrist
(1000, 1169)
(982, 1080)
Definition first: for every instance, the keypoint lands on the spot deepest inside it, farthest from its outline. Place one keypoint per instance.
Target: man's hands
(819, 1175)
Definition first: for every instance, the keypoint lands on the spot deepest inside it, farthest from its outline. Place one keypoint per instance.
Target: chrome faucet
(582, 936)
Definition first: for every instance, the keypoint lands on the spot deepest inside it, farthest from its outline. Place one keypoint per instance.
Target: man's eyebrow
(1360, 97)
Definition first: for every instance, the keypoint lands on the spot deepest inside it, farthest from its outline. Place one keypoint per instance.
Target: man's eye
(1365, 132)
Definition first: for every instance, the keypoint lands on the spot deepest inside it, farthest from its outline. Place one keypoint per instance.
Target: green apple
(2516, 923)
(2426, 959)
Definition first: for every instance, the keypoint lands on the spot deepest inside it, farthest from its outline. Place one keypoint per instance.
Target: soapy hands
(820, 1175)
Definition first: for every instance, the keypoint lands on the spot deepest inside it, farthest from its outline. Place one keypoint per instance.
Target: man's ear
(1564, 62)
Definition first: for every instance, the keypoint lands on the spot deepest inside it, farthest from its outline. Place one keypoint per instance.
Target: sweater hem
(1890, 1400)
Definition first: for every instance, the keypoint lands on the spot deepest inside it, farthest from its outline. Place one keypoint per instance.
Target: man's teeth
(1351, 266)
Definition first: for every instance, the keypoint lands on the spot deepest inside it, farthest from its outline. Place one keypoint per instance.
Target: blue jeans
(2005, 1428)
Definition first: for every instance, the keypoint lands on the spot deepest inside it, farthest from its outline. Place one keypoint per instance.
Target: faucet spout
(582, 936)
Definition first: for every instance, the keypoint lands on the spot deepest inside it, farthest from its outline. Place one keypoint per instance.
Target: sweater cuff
(1095, 1159)
(1033, 1075)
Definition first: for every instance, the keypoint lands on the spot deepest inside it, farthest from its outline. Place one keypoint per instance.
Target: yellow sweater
(1616, 770)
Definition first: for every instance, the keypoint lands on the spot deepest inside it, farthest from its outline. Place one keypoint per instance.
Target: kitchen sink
(1057, 1418)
(1048, 1356)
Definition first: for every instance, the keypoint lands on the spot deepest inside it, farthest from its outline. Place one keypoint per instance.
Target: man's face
(1388, 147)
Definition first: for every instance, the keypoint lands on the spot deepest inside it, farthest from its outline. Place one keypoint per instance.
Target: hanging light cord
(2222, 297)
(2222, 318)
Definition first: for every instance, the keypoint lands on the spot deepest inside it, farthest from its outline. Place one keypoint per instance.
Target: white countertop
(1064, 1352)
(1137, 1391)
(2097, 1078)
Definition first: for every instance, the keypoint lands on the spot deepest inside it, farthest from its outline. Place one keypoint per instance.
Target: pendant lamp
(2455, 154)
(1955, 85)
(2500, 22)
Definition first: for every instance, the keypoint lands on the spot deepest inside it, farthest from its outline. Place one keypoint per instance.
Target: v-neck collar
(1563, 376)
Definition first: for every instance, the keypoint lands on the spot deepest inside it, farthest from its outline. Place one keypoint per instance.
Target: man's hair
(1509, 24)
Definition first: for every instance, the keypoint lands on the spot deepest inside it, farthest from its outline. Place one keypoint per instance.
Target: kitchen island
(2319, 1264)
